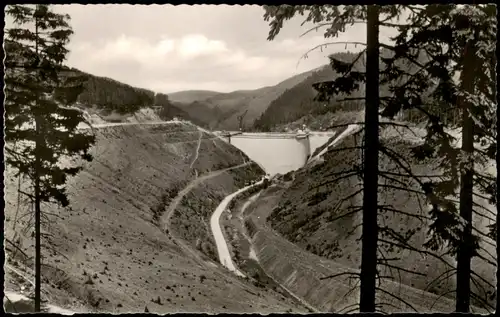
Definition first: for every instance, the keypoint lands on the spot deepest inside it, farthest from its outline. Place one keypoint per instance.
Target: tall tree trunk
(498, 210)
(38, 255)
(465, 250)
(370, 175)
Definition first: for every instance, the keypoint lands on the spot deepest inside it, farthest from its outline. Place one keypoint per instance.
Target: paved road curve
(222, 249)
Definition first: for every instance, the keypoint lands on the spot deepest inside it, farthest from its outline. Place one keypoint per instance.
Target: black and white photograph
(279, 158)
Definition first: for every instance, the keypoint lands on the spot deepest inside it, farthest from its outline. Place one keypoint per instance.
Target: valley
(152, 199)
(157, 190)
(202, 196)
(109, 250)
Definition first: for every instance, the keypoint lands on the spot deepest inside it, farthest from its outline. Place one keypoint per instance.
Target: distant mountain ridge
(188, 96)
(260, 109)
(222, 110)
(279, 107)
(115, 101)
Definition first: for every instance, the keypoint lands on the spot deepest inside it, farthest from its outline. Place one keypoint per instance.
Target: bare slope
(110, 251)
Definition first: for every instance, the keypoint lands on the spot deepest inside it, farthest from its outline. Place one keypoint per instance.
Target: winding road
(222, 249)
(177, 200)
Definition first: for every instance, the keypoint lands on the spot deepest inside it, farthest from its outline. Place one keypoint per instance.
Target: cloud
(216, 47)
(197, 44)
(193, 60)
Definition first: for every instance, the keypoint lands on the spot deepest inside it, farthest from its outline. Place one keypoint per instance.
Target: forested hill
(110, 96)
(298, 101)
(105, 97)
(297, 105)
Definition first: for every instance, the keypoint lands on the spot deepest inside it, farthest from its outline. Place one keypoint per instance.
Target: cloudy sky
(169, 48)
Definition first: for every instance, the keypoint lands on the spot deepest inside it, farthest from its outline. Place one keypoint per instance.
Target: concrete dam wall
(278, 152)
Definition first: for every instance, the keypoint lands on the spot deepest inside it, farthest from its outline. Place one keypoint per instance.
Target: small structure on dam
(277, 152)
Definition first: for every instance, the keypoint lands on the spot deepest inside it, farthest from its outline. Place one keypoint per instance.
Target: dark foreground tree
(427, 87)
(460, 40)
(371, 166)
(43, 140)
(337, 19)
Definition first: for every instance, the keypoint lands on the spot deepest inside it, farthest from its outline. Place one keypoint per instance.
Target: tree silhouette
(468, 33)
(41, 131)
(414, 89)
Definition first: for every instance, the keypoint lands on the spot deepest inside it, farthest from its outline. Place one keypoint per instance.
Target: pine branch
(402, 189)
(361, 123)
(350, 274)
(58, 252)
(395, 157)
(478, 285)
(30, 196)
(351, 99)
(483, 215)
(393, 209)
(381, 304)
(325, 45)
(349, 306)
(448, 273)
(394, 180)
(409, 129)
(412, 175)
(480, 196)
(335, 180)
(338, 173)
(52, 214)
(316, 28)
(15, 246)
(335, 149)
(485, 303)
(385, 261)
(490, 262)
(396, 297)
(487, 237)
(401, 269)
(406, 246)
(351, 310)
(441, 296)
(347, 198)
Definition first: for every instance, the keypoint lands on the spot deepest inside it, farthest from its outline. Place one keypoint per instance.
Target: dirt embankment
(107, 251)
(317, 212)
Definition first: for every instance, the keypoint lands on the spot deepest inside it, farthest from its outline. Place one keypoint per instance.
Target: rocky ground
(108, 251)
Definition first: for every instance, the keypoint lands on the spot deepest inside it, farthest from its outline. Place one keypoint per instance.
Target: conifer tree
(42, 138)
(431, 42)
(337, 20)
(459, 40)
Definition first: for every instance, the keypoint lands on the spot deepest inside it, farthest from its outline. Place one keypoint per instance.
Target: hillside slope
(298, 101)
(296, 106)
(114, 101)
(315, 211)
(110, 250)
